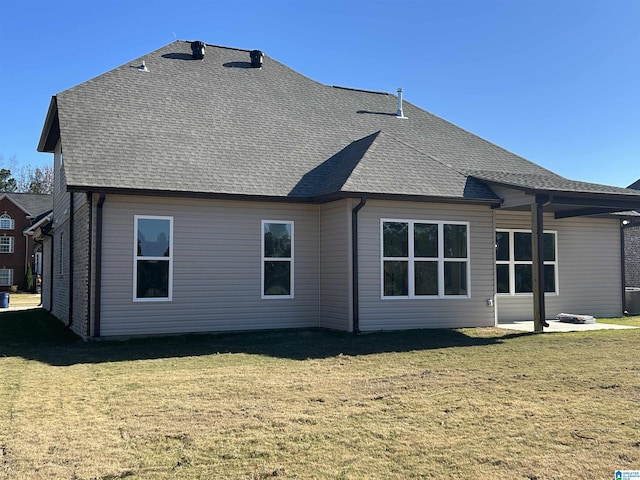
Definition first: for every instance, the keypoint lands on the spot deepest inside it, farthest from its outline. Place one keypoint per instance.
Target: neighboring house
(18, 211)
(632, 248)
(229, 192)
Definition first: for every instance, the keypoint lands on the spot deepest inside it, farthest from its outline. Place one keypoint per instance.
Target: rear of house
(298, 205)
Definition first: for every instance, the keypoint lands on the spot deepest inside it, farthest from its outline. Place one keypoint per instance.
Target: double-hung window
(277, 259)
(514, 262)
(6, 244)
(6, 276)
(424, 259)
(153, 258)
(6, 222)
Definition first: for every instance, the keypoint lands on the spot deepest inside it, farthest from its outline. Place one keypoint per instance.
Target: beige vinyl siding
(216, 267)
(395, 314)
(589, 269)
(335, 265)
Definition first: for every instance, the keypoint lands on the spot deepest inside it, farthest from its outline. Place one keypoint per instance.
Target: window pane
(522, 246)
(523, 279)
(455, 278)
(277, 240)
(549, 278)
(153, 237)
(502, 275)
(549, 247)
(425, 240)
(153, 279)
(277, 278)
(396, 279)
(395, 239)
(455, 241)
(502, 245)
(426, 282)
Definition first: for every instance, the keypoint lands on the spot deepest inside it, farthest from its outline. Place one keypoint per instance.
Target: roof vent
(197, 50)
(256, 58)
(400, 114)
(143, 67)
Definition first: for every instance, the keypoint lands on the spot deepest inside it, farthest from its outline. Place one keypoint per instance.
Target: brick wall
(632, 256)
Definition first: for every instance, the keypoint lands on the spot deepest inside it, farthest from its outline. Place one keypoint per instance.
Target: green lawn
(471, 403)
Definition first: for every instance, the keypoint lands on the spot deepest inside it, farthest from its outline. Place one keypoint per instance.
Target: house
(632, 247)
(203, 188)
(18, 211)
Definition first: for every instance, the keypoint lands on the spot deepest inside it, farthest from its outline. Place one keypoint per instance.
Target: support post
(537, 270)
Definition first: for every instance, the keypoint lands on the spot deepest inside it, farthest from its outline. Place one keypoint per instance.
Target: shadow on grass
(37, 335)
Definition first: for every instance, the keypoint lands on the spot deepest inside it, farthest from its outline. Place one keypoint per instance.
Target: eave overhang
(51, 130)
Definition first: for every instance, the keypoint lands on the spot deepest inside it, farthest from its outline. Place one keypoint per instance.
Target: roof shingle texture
(219, 126)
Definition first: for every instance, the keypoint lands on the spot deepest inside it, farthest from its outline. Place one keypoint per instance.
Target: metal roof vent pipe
(400, 114)
(256, 58)
(197, 50)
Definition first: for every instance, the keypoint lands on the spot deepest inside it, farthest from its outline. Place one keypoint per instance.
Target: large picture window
(153, 254)
(514, 262)
(6, 244)
(424, 259)
(277, 259)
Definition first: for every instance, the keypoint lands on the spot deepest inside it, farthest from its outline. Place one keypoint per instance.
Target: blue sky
(555, 81)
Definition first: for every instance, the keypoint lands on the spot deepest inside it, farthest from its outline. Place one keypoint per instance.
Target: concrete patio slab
(558, 326)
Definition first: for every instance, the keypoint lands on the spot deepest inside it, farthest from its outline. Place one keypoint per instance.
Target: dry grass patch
(425, 404)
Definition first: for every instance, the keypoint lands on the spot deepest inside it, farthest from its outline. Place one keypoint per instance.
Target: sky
(555, 81)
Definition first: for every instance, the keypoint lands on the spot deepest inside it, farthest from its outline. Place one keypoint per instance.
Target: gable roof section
(32, 204)
(219, 127)
(635, 185)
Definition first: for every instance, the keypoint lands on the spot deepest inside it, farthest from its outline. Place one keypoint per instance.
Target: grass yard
(483, 403)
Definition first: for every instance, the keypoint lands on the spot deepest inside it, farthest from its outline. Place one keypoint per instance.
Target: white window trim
(411, 260)
(4, 218)
(10, 276)
(10, 245)
(168, 298)
(277, 259)
(512, 263)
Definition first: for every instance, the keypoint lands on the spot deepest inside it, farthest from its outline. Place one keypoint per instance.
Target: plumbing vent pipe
(256, 58)
(400, 114)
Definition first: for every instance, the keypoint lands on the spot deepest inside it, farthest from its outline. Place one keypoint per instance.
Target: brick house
(17, 248)
(632, 249)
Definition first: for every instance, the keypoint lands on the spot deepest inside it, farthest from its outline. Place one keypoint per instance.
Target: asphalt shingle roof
(35, 204)
(219, 126)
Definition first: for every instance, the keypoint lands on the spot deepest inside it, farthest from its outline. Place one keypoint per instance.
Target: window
(424, 259)
(6, 222)
(277, 259)
(153, 258)
(6, 276)
(6, 244)
(514, 262)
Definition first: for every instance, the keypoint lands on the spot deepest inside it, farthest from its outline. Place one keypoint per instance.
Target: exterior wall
(45, 297)
(632, 256)
(80, 267)
(589, 270)
(23, 246)
(61, 239)
(216, 268)
(335, 265)
(396, 314)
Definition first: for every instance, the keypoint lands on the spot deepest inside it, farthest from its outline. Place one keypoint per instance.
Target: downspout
(52, 274)
(71, 258)
(90, 245)
(98, 272)
(354, 259)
